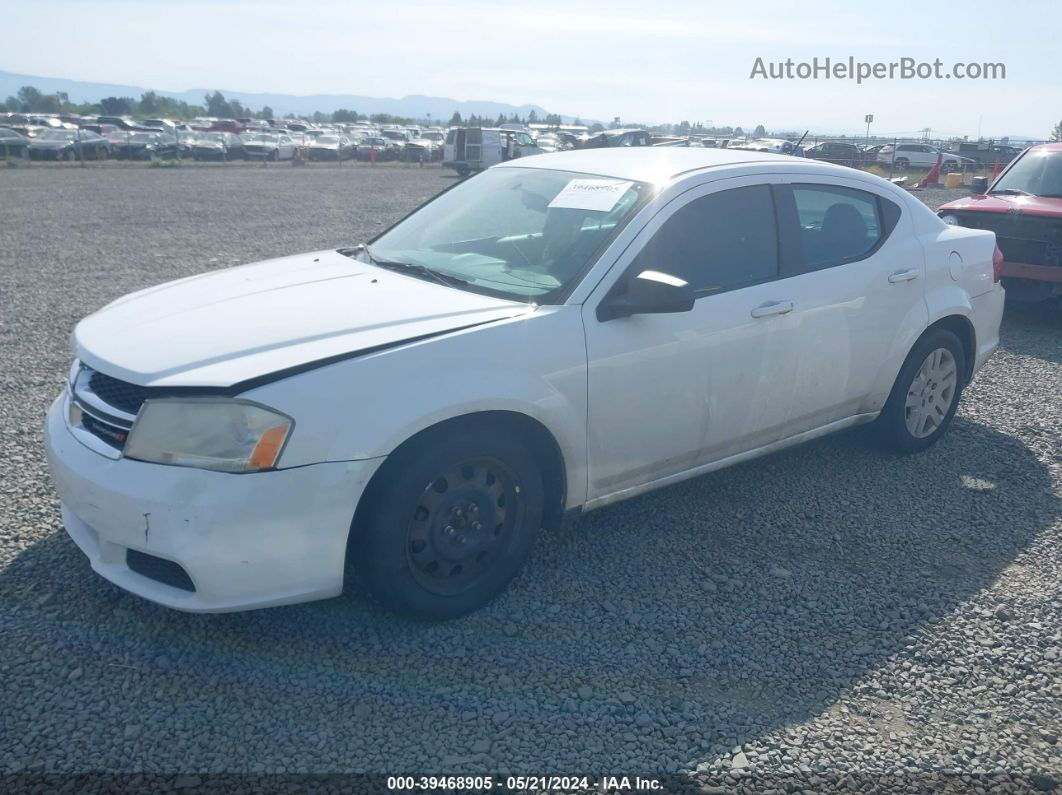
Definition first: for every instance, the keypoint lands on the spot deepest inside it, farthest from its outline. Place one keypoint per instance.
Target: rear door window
(834, 225)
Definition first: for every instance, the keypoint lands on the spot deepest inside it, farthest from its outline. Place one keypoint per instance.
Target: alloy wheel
(931, 393)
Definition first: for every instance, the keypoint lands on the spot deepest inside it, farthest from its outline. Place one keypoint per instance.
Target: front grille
(159, 569)
(1022, 238)
(120, 394)
(106, 406)
(1032, 251)
(114, 435)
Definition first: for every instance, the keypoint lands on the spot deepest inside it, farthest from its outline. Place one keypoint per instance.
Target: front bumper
(1038, 273)
(245, 541)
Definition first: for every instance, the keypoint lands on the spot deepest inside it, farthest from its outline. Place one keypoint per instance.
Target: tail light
(997, 264)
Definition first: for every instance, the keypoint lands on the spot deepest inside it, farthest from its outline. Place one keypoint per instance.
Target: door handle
(772, 308)
(903, 276)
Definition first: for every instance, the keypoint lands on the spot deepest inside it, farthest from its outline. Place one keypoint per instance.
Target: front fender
(365, 407)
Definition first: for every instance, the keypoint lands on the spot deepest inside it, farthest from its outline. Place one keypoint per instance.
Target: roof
(645, 163)
(1052, 147)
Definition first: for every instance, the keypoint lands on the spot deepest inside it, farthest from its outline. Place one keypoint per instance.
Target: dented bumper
(244, 541)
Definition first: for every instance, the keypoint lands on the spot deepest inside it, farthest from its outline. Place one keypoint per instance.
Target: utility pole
(868, 119)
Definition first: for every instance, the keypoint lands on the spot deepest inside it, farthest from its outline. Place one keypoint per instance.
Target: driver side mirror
(979, 185)
(648, 293)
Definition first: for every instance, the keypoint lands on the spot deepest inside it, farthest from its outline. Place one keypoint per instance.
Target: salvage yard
(830, 611)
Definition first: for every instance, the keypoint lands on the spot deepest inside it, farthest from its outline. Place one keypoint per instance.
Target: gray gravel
(831, 613)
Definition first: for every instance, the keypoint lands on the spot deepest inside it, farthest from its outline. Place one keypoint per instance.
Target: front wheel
(926, 394)
(450, 522)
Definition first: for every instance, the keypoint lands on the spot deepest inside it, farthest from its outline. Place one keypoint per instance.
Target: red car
(1024, 208)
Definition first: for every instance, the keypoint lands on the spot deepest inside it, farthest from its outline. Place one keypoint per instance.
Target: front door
(669, 392)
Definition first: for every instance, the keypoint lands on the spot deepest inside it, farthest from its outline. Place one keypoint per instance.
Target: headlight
(952, 220)
(223, 434)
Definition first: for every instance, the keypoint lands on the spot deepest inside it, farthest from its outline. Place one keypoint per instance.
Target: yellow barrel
(953, 180)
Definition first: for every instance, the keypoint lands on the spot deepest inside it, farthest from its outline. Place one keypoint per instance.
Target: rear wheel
(463, 171)
(901, 163)
(68, 156)
(926, 394)
(450, 522)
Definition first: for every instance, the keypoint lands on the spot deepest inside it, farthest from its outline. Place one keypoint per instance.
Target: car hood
(1002, 203)
(227, 327)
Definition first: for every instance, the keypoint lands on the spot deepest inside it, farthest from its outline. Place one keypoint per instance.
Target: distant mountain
(414, 106)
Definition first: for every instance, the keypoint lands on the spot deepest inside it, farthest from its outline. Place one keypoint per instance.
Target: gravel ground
(830, 615)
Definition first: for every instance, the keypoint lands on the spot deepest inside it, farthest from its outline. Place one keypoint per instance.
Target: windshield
(432, 136)
(327, 139)
(519, 233)
(1036, 172)
(394, 135)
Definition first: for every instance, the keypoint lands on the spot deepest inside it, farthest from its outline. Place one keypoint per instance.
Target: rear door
(858, 275)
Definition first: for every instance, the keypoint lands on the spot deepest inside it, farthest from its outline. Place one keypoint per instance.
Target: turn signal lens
(267, 450)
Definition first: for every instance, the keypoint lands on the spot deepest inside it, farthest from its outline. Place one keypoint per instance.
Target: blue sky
(641, 61)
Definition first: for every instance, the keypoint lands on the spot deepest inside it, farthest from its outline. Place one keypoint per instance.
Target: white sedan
(554, 335)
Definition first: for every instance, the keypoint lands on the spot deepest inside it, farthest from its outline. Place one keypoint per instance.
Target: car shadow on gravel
(1033, 330)
(650, 636)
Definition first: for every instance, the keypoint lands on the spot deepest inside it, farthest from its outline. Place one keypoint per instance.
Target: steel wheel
(931, 393)
(462, 524)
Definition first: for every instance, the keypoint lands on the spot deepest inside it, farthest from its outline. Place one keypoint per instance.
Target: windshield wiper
(1012, 192)
(412, 268)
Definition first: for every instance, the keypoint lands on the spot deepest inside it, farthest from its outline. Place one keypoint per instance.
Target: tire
(449, 521)
(463, 171)
(68, 156)
(925, 397)
(275, 157)
(949, 166)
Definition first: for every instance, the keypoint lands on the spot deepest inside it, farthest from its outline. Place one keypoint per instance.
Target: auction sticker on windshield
(590, 194)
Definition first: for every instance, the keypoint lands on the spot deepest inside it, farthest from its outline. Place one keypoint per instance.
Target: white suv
(554, 335)
(921, 156)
